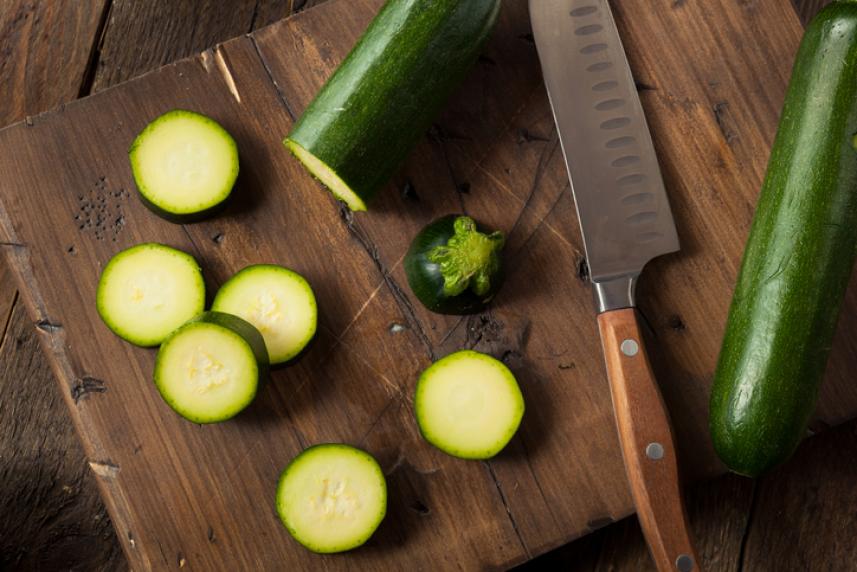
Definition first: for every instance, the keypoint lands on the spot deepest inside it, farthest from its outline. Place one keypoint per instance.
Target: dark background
(802, 516)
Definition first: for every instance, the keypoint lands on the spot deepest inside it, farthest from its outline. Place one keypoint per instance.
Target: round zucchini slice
(278, 301)
(147, 291)
(185, 165)
(468, 405)
(210, 369)
(332, 497)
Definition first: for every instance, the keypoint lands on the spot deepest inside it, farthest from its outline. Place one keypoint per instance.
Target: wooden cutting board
(712, 76)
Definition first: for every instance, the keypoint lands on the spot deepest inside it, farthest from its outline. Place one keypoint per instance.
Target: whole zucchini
(798, 258)
(385, 94)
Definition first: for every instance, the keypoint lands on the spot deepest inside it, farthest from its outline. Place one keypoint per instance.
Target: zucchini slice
(385, 94)
(468, 405)
(210, 369)
(332, 497)
(278, 301)
(147, 291)
(185, 165)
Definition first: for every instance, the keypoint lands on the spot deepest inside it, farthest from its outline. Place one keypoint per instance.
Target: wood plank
(53, 516)
(59, 37)
(804, 515)
(719, 515)
(51, 520)
(46, 49)
(202, 459)
(538, 220)
(142, 36)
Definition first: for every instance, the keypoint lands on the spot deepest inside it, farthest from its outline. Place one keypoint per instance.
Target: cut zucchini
(332, 497)
(185, 165)
(385, 94)
(453, 265)
(210, 369)
(468, 405)
(278, 301)
(147, 291)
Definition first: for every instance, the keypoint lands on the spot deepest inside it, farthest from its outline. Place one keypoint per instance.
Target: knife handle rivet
(684, 563)
(655, 451)
(629, 347)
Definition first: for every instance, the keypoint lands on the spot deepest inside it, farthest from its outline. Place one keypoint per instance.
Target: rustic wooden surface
(718, 512)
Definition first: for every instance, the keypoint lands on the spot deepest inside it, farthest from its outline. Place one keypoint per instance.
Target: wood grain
(45, 480)
(46, 48)
(804, 517)
(648, 447)
(806, 9)
(163, 31)
(719, 512)
(48, 495)
(485, 331)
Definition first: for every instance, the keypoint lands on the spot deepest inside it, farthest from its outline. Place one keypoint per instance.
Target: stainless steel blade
(621, 202)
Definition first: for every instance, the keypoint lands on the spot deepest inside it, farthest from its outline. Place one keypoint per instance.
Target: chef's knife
(625, 221)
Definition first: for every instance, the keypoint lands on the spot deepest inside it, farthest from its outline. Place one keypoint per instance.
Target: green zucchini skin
(385, 94)
(798, 258)
(425, 277)
(185, 218)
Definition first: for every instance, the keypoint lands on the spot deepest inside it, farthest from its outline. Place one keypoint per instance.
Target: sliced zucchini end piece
(469, 259)
(147, 291)
(278, 301)
(184, 163)
(207, 372)
(468, 405)
(332, 497)
(325, 174)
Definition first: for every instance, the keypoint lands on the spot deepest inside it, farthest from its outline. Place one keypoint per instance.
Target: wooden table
(57, 51)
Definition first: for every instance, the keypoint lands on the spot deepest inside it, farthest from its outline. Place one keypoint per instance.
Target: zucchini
(210, 369)
(185, 165)
(147, 291)
(385, 94)
(798, 257)
(277, 301)
(332, 497)
(468, 405)
(453, 265)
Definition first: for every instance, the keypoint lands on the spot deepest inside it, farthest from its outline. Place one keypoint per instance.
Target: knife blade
(622, 205)
(625, 221)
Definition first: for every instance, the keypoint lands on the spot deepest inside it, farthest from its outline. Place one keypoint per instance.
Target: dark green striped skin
(798, 258)
(188, 217)
(384, 96)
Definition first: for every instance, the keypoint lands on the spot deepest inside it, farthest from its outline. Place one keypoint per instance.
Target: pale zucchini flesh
(278, 301)
(184, 164)
(147, 291)
(332, 497)
(206, 372)
(327, 177)
(468, 405)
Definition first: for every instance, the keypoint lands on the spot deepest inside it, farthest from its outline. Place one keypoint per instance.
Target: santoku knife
(625, 221)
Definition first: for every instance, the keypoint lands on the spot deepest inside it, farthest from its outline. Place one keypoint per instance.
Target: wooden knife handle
(647, 443)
